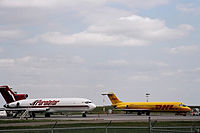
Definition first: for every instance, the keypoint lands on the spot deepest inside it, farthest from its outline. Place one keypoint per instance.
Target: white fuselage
(53, 105)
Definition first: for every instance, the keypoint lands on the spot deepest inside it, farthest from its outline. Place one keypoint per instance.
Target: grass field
(65, 126)
(64, 123)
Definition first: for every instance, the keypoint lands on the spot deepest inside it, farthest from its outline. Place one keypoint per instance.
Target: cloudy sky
(81, 48)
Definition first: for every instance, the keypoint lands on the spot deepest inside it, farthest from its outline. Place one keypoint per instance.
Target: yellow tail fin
(113, 98)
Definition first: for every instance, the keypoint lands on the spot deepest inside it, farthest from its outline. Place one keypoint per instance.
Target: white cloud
(7, 62)
(80, 3)
(27, 3)
(13, 62)
(198, 80)
(186, 49)
(157, 63)
(82, 38)
(100, 86)
(1, 50)
(116, 63)
(133, 30)
(11, 34)
(142, 78)
(77, 60)
(168, 73)
(107, 25)
(49, 3)
(178, 72)
(41, 62)
(197, 69)
(25, 59)
(188, 8)
(142, 4)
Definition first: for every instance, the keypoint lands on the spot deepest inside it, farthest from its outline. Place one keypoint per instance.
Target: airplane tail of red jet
(11, 96)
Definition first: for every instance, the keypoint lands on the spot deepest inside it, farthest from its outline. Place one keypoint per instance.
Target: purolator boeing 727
(18, 103)
(147, 107)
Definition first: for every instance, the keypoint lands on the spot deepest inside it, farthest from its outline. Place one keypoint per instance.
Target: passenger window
(182, 105)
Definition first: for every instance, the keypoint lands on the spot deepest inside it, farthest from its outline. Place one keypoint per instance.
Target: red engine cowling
(20, 96)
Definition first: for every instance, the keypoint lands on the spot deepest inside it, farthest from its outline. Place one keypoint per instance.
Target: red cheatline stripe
(54, 106)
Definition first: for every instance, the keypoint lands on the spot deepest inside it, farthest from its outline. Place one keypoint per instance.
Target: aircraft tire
(47, 115)
(148, 113)
(33, 115)
(84, 115)
(139, 113)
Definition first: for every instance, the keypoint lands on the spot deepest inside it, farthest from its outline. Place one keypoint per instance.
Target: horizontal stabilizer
(107, 93)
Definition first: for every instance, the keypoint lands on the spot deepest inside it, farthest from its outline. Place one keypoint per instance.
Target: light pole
(147, 96)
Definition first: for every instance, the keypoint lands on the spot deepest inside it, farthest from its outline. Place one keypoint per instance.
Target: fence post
(107, 126)
(52, 128)
(150, 127)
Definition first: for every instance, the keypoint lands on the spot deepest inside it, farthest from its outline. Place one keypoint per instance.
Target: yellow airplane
(147, 107)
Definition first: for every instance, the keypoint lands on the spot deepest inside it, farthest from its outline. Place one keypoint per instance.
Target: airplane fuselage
(53, 105)
(147, 107)
(153, 106)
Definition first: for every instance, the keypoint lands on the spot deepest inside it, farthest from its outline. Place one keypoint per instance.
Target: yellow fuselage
(154, 106)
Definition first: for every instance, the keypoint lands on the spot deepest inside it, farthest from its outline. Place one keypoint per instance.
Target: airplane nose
(92, 106)
(189, 109)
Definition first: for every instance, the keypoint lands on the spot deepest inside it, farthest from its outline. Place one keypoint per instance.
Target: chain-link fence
(152, 127)
(108, 130)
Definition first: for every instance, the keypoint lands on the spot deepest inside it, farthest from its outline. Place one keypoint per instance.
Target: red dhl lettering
(49, 102)
(165, 107)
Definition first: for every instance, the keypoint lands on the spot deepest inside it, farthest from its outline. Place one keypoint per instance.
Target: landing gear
(84, 115)
(139, 113)
(148, 113)
(47, 115)
(32, 115)
(15, 114)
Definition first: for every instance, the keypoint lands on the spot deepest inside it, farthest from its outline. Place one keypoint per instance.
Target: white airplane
(18, 103)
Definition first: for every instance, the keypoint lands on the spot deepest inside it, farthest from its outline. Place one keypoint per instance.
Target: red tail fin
(10, 96)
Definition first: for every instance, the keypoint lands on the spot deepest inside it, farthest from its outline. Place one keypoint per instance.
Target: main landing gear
(84, 114)
(32, 115)
(148, 113)
(47, 115)
(140, 113)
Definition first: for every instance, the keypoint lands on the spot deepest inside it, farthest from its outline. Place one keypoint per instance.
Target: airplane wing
(28, 109)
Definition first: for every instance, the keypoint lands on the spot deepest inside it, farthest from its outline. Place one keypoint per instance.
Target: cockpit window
(182, 105)
(87, 102)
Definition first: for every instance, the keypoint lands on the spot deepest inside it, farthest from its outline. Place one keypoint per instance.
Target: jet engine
(12, 105)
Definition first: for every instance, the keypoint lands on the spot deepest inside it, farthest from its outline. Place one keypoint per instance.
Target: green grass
(175, 124)
(125, 124)
(25, 121)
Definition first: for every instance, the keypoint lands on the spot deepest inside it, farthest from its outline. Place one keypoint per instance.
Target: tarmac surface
(125, 117)
(114, 117)
(99, 118)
